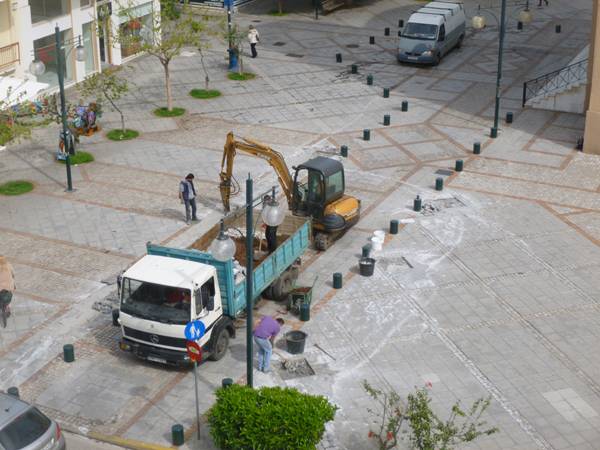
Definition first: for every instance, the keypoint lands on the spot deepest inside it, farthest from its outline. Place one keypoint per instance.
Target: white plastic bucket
(380, 234)
(377, 243)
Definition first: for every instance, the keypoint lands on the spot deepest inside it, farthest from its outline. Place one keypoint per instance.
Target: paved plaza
(492, 289)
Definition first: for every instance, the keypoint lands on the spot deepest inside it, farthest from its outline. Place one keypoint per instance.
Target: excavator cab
(317, 183)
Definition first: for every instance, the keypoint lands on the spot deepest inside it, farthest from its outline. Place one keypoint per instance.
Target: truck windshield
(420, 31)
(155, 302)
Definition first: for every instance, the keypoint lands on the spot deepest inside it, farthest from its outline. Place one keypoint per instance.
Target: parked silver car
(24, 427)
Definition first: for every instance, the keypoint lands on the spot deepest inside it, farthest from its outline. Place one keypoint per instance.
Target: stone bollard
(226, 382)
(405, 106)
(366, 135)
(177, 436)
(338, 57)
(386, 119)
(393, 226)
(476, 148)
(417, 204)
(344, 151)
(366, 250)
(439, 184)
(509, 117)
(558, 28)
(371, 40)
(519, 25)
(353, 68)
(337, 280)
(68, 353)
(370, 80)
(458, 166)
(386, 31)
(13, 390)
(493, 132)
(401, 23)
(386, 92)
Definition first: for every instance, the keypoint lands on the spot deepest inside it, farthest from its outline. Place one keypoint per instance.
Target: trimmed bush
(204, 94)
(118, 135)
(240, 76)
(17, 187)
(271, 418)
(79, 158)
(164, 112)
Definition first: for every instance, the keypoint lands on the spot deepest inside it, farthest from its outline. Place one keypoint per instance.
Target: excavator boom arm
(250, 147)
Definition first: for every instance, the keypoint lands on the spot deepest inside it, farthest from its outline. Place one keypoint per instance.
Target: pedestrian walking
(187, 195)
(253, 37)
(7, 284)
(264, 334)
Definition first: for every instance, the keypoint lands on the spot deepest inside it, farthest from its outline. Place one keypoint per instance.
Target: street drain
(278, 44)
(443, 172)
(295, 368)
(294, 55)
(352, 46)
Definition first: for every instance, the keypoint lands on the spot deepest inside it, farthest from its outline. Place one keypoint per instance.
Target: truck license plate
(158, 360)
(413, 57)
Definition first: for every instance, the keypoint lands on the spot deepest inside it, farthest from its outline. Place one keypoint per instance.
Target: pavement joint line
(475, 371)
(179, 376)
(69, 243)
(57, 270)
(539, 183)
(70, 197)
(552, 348)
(150, 172)
(132, 444)
(524, 163)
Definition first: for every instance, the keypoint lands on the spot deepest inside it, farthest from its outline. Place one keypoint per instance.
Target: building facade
(27, 33)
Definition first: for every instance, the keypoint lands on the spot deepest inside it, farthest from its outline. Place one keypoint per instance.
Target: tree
(164, 36)
(237, 37)
(106, 85)
(420, 424)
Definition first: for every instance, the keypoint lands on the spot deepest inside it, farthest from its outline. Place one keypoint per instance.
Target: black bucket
(366, 266)
(295, 341)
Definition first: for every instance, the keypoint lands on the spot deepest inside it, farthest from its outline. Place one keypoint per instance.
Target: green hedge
(269, 418)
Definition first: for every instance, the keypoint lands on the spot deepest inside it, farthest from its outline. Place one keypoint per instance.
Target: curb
(127, 443)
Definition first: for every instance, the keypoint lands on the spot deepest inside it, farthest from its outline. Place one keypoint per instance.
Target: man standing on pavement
(7, 282)
(253, 38)
(187, 195)
(264, 334)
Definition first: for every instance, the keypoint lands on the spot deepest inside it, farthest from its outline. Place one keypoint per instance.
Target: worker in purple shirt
(264, 333)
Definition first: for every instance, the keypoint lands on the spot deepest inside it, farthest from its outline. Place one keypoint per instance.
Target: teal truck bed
(293, 237)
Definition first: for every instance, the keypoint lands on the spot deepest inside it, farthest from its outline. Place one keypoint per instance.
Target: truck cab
(431, 32)
(159, 296)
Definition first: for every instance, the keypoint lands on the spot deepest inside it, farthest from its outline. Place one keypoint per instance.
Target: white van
(431, 32)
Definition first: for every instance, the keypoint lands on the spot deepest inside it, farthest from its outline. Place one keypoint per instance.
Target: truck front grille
(156, 339)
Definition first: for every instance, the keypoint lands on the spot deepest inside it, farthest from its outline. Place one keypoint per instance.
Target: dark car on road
(24, 427)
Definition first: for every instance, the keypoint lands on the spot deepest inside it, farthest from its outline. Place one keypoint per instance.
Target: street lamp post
(38, 68)
(478, 23)
(223, 249)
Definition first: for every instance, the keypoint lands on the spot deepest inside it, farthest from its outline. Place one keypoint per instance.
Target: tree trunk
(240, 62)
(280, 6)
(168, 87)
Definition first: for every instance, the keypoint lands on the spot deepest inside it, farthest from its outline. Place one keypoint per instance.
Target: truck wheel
(220, 346)
(268, 292)
(460, 41)
(437, 59)
(115, 317)
(283, 286)
(322, 241)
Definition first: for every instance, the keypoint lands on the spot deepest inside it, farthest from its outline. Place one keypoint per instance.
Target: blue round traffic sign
(194, 330)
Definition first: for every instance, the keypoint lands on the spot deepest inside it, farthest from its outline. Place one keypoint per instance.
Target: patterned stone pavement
(492, 290)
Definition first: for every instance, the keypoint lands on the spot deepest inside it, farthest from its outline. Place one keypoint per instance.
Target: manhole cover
(352, 46)
(294, 55)
(443, 172)
(295, 368)
(278, 44)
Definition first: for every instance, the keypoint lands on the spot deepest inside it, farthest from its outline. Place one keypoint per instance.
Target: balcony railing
(9, 55)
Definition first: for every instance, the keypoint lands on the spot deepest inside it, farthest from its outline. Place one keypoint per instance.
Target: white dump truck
(169, 287)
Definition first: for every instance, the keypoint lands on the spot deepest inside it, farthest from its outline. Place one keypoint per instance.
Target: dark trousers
(190, 204)
(5, 297)
(253, 48)
(271, 235)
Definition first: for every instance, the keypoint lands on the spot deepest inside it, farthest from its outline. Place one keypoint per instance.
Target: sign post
(194, 331)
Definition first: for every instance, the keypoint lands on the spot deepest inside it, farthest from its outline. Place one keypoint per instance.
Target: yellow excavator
(315, 190)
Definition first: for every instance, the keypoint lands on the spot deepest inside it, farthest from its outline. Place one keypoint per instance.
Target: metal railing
(555, 81)
(9, 55)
